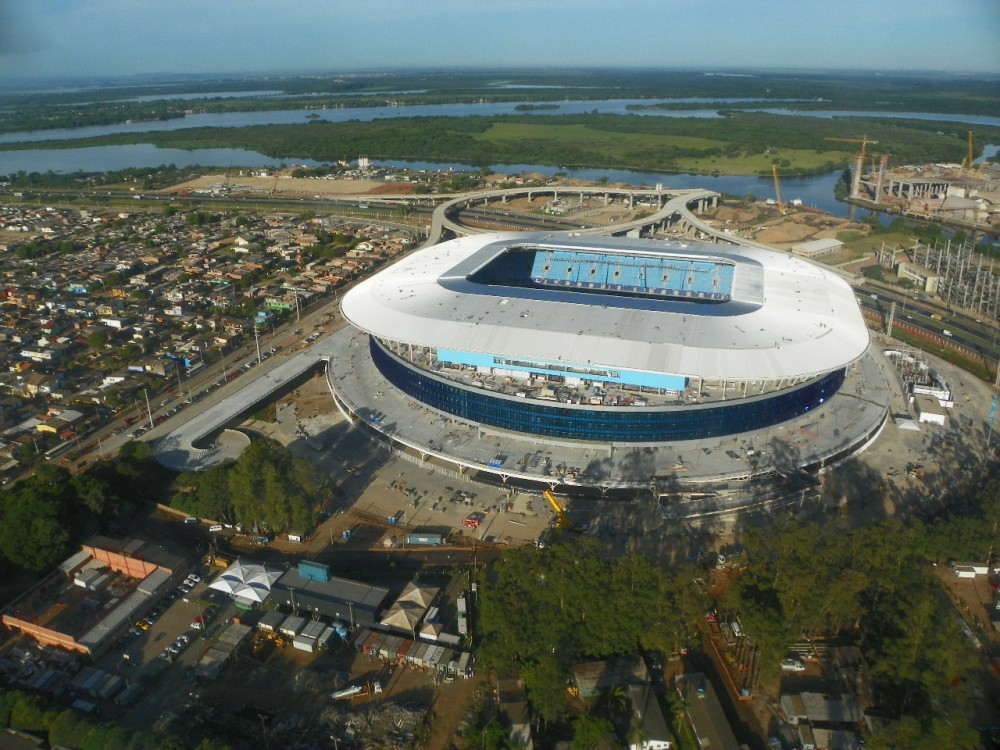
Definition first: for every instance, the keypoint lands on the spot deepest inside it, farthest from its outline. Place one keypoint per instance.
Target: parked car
(792, 665)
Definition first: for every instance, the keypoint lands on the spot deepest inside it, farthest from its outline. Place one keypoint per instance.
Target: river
(482, 109)
(816, 191)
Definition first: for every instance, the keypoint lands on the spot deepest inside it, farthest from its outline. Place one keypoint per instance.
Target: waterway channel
(816, 190)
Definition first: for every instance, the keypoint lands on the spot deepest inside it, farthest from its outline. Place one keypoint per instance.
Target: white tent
(247, 581)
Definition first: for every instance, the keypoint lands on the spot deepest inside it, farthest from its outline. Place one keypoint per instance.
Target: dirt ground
(285, 184)
(781, 231)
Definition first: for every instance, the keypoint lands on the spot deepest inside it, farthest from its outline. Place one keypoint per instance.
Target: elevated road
(204, 440)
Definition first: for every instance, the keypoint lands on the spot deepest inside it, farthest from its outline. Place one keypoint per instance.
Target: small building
(711, 727)
(920, 276)
(649, 716)
(513, 701)
(271, 621)
(291, 626)
(329, 596)
(820, 708)
(593, 678)
(817, 248)
(929, 410)
(215, 658)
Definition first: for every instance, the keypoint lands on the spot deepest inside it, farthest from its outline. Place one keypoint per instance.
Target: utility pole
(297, 317)
(148, 410)
(991, 420)
(256, 338)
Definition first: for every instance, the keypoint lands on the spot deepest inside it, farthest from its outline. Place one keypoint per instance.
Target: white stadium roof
(783, 316)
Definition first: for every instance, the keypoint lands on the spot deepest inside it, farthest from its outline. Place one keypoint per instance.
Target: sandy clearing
(286, 185)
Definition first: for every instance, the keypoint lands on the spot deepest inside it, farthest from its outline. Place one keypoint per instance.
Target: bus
(58, 450)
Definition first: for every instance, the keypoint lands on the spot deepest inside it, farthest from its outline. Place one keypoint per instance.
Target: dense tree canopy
(265, 488)
(44, 517)
(546, 610)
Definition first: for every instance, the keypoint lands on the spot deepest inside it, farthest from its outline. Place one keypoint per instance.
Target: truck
(357, 691)
(431, 540)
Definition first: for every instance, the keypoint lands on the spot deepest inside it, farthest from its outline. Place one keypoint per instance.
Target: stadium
(596, 344)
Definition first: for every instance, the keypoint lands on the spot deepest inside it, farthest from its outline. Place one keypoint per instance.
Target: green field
(738, 144)
(584, 136)
(678, 152)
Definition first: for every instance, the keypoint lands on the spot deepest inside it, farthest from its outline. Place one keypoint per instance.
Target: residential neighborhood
(104, 308)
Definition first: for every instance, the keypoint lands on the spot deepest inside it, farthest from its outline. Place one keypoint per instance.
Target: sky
(115, 38)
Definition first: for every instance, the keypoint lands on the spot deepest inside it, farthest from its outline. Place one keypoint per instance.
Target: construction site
(965, 195)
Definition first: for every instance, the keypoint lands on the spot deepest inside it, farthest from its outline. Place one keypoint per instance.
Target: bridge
(674, 208)
(204, 440)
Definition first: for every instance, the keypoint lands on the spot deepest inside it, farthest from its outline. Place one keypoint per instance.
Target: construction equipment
(214, 558)
(563, 521)
(864, 140)
(357, 691)
(859, 161)
(777, 188)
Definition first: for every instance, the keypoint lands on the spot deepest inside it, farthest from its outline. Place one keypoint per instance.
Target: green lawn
(860, 244)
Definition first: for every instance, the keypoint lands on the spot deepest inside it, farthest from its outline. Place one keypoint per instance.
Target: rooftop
(705, 311)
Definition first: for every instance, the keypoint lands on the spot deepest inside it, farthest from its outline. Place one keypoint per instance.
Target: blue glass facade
(625, 425)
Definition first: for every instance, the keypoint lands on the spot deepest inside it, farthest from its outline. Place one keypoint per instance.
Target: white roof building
(762, 315)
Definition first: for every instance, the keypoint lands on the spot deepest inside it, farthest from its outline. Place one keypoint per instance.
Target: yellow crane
(777, 188)
(864, 140)
(563, 521)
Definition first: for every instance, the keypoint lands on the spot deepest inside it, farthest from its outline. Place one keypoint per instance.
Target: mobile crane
(563, 521)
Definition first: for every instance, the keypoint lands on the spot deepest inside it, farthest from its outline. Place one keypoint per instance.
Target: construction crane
(864, 140)
(777, 188)
(970, 161)
(859, 162)
(563, 521)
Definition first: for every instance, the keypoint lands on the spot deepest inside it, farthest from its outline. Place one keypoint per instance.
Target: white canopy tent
(247, 581)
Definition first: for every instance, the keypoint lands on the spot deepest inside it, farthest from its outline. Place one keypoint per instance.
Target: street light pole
(256, 338)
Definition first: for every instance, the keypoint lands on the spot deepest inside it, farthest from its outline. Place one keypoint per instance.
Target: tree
(38, 520)
(589, 732)
(97, 340)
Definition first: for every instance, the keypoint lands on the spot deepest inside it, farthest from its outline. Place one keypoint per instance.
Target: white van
(216, 527)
